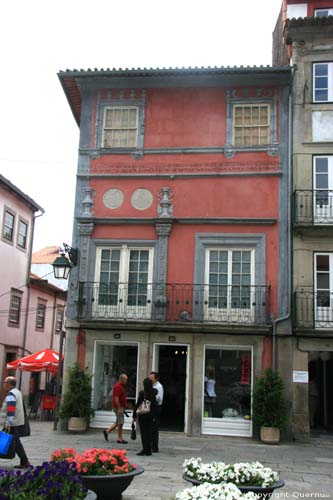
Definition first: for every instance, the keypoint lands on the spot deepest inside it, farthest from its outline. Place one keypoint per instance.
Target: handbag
(133, 432)
(144, 407)
(24, 430)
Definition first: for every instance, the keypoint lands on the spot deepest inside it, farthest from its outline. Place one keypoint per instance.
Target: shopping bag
(24, 430)
(5, 442)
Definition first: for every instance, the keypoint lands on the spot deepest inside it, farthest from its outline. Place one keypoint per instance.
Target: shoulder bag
(24, 430)
(144, 407)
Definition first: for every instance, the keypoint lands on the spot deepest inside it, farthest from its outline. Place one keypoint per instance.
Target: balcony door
(323, 290)
(323, 189)
(124, 282)
(229, 277)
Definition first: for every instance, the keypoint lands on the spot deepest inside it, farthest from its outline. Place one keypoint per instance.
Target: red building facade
(182, 222)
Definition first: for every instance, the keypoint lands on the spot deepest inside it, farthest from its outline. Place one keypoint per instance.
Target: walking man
(118, 405)
(12, 416)
(154, 377)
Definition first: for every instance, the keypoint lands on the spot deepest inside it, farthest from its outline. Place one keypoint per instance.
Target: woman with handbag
(145, 411)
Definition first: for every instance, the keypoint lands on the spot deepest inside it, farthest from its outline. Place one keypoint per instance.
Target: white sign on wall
(301, 377)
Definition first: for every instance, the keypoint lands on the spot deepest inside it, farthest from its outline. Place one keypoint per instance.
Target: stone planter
(263, 493)
(77, 424)
(270, 435)
(110, 487)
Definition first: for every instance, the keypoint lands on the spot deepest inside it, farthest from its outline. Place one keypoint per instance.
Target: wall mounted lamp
(67, 259)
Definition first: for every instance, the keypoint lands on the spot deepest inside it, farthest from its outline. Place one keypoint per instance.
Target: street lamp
(63, 264)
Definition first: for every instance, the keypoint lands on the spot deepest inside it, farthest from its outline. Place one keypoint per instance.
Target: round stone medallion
(141, 199)
(113, 198)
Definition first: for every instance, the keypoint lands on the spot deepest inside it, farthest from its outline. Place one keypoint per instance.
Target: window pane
(227, 383)
(323, 262)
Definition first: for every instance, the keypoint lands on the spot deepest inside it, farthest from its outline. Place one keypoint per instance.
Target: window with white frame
(8, 225)
(229, 276)
(323, 82)
(120, 127)
(41, 313)
(124, 277)
(323, 12)
(251, 124)
(323, 188)
(323, 266)
(22, 234)
(15, 308)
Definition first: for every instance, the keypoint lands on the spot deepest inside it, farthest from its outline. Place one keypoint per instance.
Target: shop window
(111, 360)
(227, 384)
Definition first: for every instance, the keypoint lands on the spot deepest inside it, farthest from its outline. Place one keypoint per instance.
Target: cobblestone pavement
(307, 469)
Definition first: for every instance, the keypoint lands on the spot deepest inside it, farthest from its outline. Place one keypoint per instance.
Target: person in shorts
(118, 405)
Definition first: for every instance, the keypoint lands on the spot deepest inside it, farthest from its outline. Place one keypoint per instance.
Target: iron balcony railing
(313, 309)
(313, 206)
(175, 302)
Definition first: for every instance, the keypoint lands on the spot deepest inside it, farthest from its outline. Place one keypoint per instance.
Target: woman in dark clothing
(146, 419)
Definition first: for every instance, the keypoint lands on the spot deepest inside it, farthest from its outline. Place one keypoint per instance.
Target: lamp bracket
(73, 254)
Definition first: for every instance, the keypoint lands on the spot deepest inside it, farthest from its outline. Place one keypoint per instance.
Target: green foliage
(269, 403)
(76, 402)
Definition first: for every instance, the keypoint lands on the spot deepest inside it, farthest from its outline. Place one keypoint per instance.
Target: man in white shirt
(159, 400)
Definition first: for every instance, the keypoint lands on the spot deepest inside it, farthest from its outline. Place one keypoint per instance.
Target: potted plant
(269, 406)
(247, 477)
(208, 491)
(45, 482)
(106, 472)
(76, 402)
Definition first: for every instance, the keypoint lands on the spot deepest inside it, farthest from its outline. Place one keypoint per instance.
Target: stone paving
(306, 468)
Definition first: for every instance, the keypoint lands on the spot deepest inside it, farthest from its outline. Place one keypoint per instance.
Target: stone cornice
(180, 220)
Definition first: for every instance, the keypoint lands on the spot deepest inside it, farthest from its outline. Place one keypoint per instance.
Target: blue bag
(5, 442)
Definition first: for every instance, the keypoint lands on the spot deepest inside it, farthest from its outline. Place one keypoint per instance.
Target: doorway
(171, 364)
(320, 390)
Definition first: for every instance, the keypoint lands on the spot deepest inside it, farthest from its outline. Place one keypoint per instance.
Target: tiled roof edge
(20, 193)
(309, 21)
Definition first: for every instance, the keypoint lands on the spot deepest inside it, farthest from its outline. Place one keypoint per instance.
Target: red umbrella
(44, 360)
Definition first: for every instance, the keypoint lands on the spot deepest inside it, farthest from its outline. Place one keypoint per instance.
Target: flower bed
(49, 481)
(240, 474)
(95, 461)
(208, 491)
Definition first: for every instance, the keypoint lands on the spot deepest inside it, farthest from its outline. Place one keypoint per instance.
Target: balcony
(313, 310)
(174, 303)
(313, 209)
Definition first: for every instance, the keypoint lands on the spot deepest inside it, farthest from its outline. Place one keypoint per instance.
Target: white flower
(242, 473)
(207, 491)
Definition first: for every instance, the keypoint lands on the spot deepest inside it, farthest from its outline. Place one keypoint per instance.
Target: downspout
(53, 319)
(289, 225)
(32, 231)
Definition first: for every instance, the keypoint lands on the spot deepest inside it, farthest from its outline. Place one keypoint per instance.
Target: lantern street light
(63, 264)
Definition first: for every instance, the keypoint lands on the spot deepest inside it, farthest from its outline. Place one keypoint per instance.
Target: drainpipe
(289, 226)
(28, 288)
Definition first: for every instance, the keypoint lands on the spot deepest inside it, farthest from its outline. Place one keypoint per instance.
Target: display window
(111, 360)
(227, 389)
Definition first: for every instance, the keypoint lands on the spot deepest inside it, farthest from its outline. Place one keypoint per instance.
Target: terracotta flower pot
(270, 435)
(77, 424)
(110, 487)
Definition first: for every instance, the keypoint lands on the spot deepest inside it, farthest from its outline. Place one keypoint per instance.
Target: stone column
(160, 300)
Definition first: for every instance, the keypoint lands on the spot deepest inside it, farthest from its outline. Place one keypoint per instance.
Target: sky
(39, 137)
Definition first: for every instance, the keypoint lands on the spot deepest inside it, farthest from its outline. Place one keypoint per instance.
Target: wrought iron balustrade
(313, 309)
(313, 206)
(175, 302)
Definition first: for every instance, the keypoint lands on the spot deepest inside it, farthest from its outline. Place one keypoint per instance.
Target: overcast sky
(39, 137)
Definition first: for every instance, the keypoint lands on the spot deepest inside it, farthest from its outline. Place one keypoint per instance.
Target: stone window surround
(229, 148)
(40, 302)
(102, 104)
(20, 247)
(19, 295)
(6, 209)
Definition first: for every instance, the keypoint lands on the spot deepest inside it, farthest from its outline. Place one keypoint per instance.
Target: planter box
(110, 487)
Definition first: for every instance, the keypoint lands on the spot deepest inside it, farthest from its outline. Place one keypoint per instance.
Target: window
(323, 12)
(15, 308)
(251, 125)
(22, 234)
(124, 277)
(59, 319)
(323, 264)
(40, 317)
(8, 226)
(323, 189)
(323, 82)
(229, 276)
(110, 361)
(227, 391)
(120, 127)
